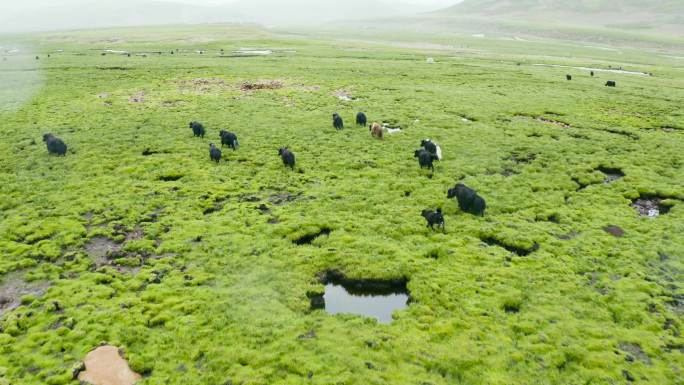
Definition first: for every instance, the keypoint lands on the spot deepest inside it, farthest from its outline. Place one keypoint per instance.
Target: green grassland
(209, 288)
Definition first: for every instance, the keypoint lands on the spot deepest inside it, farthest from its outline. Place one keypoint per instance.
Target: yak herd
(468, 199)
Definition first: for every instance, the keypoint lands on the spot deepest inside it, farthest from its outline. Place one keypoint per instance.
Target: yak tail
(236, 144)
(439, 153)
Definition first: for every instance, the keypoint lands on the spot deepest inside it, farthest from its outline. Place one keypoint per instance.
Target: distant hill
(655, 15)
(576, 6)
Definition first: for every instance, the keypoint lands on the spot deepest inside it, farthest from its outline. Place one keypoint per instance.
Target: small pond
(376, 299)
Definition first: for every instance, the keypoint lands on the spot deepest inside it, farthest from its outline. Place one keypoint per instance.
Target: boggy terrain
(203, 273)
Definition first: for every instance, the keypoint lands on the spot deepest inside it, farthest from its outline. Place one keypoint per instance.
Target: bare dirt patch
(135, 234)
(202, 85)
(99, 248)
(13, 287)
(273, 84)
(105, 366)
(343, 95)
(138, 97)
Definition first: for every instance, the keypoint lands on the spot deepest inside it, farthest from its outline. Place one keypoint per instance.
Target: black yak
(432, 147)
(337, 121)
(610, 83)
(425, 158)
(287, 156)
(214, 153)
(569, 77)
(592, 73)
(230, 139)
(55, 145)
(197, 129)
(434, 218)
(468, 200)
(361, 119)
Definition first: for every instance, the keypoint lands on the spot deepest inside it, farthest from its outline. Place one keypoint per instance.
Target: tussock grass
(207, 286)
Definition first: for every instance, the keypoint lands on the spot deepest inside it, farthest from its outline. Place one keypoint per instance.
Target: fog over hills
(43, 15)
(644, 15)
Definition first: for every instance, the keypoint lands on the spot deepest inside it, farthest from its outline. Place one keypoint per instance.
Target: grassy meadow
(203, 283)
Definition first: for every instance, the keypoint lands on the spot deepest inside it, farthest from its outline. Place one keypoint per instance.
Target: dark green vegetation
(137, 239)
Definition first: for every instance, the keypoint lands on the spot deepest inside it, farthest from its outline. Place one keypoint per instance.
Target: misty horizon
(43, 15)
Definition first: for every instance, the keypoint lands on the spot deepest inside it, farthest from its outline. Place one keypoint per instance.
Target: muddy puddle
(368, 298)
(105, 366)
(99, 248)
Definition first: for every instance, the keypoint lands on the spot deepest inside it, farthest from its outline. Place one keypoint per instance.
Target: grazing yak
(197, 129)
(214, 153)
(361, 119)
(432, 147)
(468, 200)
(425, 159)
(230, 139)
(569, 77)
(55, 145)
(287, 156)
(592, 73)
(610, 83)
(376, 130)
(337, 121)
(434, 218)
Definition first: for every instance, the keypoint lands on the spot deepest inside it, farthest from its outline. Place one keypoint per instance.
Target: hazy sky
(38, 3)
(38, 15)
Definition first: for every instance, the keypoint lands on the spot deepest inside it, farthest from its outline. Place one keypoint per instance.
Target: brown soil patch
(105, 366)
(262, 85)
(99, 248)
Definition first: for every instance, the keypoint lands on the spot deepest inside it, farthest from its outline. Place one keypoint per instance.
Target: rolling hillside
(650, 15)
